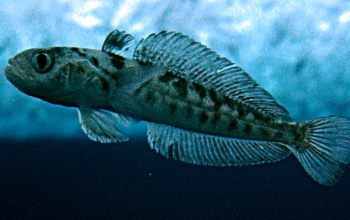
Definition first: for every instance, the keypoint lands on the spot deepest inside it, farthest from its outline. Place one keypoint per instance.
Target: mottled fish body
(202, 106)
(172, 100)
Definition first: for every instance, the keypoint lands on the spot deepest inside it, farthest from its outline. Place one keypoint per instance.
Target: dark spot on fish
(241, 110)
(77, 50)
(138, 91)
(150, 96)
(213, 95)
(248, 128)
(95, 61)
(118, 61)
(119, 57)
(216, 118)
(116, 79)
(265, 132)
(200, 89)
(81, 69)
(189, 110)
(58, 76)
(259, 116)
(105, 71)
(299, 132)
(204, 117)
(173, 107)
(200, 103)
(230, 102)
(303, 128)
(181, 87)
(232, 125)
(167, 77)
(105, 85)
(144, 63)
(226, 100)
(267, 119)
(218, 101)
(145, 118)
(278, 134)
(65, 68)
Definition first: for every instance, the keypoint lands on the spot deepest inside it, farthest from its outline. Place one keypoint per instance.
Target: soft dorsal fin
(118, 42)
(191, 60)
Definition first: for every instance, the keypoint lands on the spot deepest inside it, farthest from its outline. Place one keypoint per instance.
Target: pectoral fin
(103, 126)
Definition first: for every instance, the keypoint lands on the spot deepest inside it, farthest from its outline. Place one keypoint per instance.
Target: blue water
(50, 170)
(74, 179)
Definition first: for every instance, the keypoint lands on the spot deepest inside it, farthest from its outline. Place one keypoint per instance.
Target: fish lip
(9, 72)
(11, 61)
(9, 67)
(14, 70)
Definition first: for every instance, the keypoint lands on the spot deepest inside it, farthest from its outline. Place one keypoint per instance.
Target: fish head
(53, 74)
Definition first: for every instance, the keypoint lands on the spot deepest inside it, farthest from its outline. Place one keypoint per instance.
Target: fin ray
(103, 126)
(191, 60)
(118, 42)
(325, 150)
(197, 148)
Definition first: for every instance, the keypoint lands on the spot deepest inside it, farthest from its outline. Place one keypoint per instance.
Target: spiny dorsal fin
(191, 60)
(118, 42)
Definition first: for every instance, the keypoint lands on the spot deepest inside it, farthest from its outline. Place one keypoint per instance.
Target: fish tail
(323, 148)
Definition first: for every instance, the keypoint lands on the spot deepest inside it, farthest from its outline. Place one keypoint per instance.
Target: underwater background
(296, 50)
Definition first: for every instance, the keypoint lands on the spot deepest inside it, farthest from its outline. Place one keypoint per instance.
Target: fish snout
(9, 68)
(11, 61)
(13, 71)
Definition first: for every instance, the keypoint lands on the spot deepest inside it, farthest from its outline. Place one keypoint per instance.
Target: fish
(201, 108)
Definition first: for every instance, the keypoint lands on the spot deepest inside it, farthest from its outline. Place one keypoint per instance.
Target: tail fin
(325, 149)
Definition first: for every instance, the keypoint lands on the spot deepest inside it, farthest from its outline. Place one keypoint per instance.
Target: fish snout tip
(11, 60)
(7, 71)
(8, 67)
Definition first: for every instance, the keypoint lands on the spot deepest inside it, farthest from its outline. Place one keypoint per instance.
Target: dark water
(71, 179)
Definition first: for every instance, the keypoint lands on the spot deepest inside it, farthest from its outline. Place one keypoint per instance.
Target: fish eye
(42, 62)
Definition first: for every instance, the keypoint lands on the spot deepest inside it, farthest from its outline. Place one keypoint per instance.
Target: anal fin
(203, 149)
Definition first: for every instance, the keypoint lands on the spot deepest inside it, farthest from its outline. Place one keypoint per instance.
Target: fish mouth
(12, 74)
(13, 71)
(11, 60)
(9, 68)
